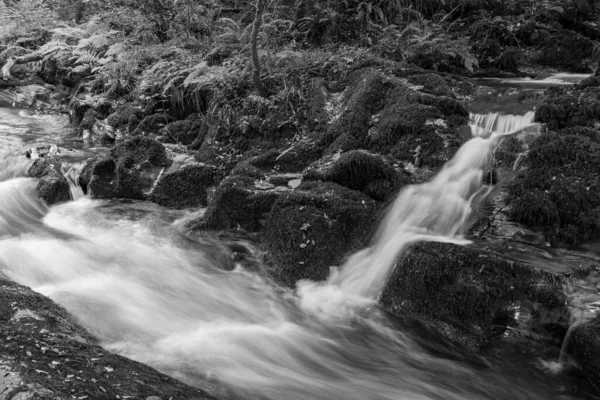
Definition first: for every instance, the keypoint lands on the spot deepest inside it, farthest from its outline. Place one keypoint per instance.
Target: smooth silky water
(129, 274)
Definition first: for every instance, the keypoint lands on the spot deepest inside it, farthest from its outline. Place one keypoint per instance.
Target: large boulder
(559, 190)
(473, 296)
(52, 186)
(238, 203)
(314, 227)
(128, 171)
(184, 188)
(184, 132)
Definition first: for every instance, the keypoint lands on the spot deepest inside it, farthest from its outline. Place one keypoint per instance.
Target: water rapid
(131, 276)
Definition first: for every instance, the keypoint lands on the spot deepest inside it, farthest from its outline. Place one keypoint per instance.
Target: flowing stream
(130, 275)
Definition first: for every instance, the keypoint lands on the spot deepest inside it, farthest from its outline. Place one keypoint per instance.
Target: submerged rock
(52, 186)
(314, 227)
(473, 296)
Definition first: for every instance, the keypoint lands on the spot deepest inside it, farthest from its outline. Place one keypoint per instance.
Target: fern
(54, 46)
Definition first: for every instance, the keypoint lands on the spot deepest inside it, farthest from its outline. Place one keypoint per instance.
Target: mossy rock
(366, 172)
(249, 170)
(129, 170)
(185, 132)
(237, 204)
(560, 190)
(432, 83)
(292, 159)
(568, 107)
(126, 118)
(184, 188)
(52, 186)
(363, 98)
(566, 49)
(314, 227)
(152, 124)
(469, 292)
(141, 150)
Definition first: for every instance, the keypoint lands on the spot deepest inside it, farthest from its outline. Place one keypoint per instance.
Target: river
(130, 273)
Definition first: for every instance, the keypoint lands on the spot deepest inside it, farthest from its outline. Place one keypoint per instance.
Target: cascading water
(434, 211)
(136, 283)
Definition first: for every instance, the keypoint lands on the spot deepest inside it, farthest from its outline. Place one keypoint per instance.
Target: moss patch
(366, 172)
(469, 290)
(313, 227)
(237, 204)
(184, 188)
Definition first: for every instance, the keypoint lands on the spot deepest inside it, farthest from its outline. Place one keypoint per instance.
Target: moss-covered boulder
(152, 124)
(237, 204)
(568, 107)
(584, 345)
(363, 171)
(314, 227)
(566, 49)
(473, 296)
(129, 170)
(52, 186)
(560, 190)
(362, 99)
(126, 118)
(185, 132)
(184, 188)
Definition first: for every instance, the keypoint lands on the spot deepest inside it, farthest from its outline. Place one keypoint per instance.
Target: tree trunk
(258, 83)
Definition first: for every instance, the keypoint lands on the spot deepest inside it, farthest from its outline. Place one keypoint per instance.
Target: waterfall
(437, 210)
(72, 172)
(499, 123)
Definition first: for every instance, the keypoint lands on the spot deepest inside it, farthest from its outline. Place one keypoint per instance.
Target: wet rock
(472, 296)
(129, 170)
(42, 151)
(26, 96)
(585, 347)
(314, 227)
(184, 188)
(52, 186)
(41, 344)
(237, 203)
(363, 171)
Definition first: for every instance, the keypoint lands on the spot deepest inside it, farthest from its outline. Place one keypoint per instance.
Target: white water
(148, 293)
(437, 210)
